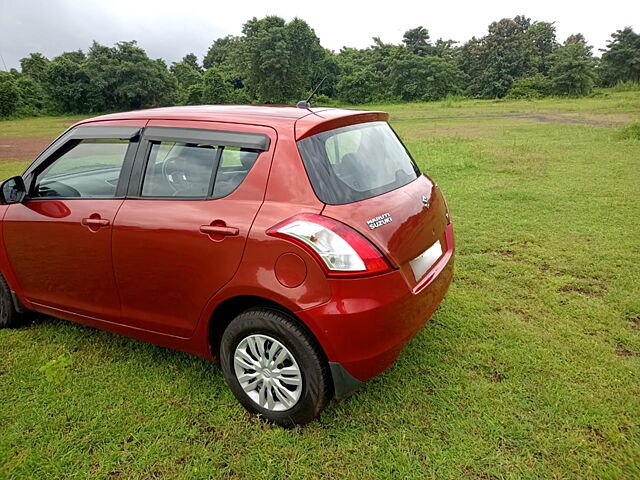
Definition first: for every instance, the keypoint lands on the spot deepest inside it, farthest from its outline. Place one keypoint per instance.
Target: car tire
(9, 316)
(259, 338)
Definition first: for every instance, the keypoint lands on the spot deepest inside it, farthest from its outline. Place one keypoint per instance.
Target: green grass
(530, 369)
(37, 126)
(9, 169)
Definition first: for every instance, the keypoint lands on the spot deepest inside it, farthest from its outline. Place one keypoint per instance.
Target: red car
(302, 247)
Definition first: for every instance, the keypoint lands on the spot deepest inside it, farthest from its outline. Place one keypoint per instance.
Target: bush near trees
(275, 61)
(536, 86)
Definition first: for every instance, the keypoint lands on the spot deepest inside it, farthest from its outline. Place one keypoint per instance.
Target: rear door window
(356, 162)
(176, 169)
(189, 170)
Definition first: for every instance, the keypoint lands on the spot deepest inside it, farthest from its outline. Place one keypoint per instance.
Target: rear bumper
(369, 321)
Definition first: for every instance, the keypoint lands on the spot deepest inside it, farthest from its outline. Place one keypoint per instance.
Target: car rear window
(356, 162)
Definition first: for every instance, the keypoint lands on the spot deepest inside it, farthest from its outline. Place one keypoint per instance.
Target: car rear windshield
(356, 162)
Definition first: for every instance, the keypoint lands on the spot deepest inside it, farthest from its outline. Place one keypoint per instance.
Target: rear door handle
(219, 230)
(95, 222)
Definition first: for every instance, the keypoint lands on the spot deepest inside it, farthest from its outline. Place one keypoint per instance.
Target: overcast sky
(170, 29)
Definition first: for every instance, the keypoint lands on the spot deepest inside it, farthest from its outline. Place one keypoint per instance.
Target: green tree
(541, 39)
(9, 95)
(363, 74)
(228, 56)
(494, 61)
(31, 95)
(123, 77)
(430, 78)
(35, 65)
(417, 41)
(572, 70)
(621, 59)
(76, 56)
(191, 60)
(220, 51)
(358, 86)
(279, 58)
(326, 67)
(445, 48)
(29, 82)
(186, 73)
(67, 84)
(215, 88)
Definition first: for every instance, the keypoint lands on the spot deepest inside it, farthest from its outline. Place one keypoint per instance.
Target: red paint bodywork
(152, 274)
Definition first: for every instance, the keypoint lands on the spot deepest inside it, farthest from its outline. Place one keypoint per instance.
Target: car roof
(315, 119)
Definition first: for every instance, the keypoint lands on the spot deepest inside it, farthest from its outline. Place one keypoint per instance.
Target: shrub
(630, 132)
(453, 101)
(536, 86)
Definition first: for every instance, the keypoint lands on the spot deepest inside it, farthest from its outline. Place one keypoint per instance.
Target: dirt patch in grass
(623, 351)
(589, 291)
(589, 119)
(22, 148)
(592, 120)
(595, 435)
(634, 322)
(511, 255)
(524, 315)
(464, 130)
(469, 473)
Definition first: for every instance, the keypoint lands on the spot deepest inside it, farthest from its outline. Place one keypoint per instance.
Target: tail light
(340, 250)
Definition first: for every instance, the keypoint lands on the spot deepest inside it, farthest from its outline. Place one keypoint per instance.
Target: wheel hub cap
(268, 372)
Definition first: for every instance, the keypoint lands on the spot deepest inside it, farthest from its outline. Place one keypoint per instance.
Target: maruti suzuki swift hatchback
(302, 247)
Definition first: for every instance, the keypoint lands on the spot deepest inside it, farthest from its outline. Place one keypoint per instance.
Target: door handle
(219, 230)
(95, 222)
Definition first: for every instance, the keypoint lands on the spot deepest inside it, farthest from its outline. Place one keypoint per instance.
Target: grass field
(530, 368)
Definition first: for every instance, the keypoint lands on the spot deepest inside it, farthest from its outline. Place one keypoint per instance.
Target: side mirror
(12, 190)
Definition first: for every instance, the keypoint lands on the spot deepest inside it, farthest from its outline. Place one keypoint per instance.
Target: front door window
(89, 169)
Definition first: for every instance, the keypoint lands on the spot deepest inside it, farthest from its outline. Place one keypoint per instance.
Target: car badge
(380, 220)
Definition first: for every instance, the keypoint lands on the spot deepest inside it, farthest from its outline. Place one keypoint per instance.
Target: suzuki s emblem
(425, 201)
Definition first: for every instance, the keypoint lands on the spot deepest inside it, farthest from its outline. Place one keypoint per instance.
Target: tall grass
(630, 132)
(626, 86)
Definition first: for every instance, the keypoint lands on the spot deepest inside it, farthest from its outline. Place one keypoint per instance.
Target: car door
(59, 240)
(180, 234)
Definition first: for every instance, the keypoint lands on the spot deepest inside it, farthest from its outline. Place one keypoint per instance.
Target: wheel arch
(231, 307)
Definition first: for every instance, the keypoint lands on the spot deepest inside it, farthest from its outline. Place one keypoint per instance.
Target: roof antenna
(307, 103)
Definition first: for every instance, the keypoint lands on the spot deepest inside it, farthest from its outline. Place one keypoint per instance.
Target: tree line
(275, 61)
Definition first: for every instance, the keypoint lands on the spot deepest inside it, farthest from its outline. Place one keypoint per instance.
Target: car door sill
(99, 323)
